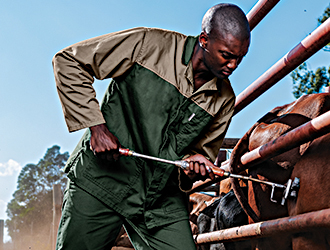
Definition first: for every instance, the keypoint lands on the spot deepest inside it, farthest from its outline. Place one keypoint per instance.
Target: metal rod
(305, 49)
(184, 165)
(288, 225)
(313, 129)
(128, 152)
(153, 158)
(259, 11)
(257, 180)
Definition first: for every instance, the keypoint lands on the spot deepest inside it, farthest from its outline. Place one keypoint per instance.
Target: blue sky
(33, 31)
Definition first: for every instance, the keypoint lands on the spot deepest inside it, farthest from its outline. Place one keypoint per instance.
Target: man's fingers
(199, 168)
(107, 155)
(210, 172)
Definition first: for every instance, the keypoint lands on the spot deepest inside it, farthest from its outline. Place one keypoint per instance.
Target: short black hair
(226, 18)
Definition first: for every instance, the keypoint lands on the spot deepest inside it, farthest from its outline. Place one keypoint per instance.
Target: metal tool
(290, 188)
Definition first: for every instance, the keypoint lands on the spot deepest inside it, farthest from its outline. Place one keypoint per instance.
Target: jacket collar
(186, 60)
(188, 49)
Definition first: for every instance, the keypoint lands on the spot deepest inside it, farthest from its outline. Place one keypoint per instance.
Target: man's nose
(232, 63)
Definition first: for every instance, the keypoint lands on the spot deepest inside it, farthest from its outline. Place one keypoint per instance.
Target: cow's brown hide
(307, 162)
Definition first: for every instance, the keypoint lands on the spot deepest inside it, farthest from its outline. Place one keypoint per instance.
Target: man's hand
(199, 168)
(103, 143)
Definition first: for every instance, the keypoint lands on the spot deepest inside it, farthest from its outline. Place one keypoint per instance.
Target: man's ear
(203, 39)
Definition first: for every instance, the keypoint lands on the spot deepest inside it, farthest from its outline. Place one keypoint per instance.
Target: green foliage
(307, 82)
(322, 19)
(325, 16)
(30, 211)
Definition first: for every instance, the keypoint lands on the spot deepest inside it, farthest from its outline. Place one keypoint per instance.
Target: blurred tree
(322, 19)
(30, 211)
(307, 81)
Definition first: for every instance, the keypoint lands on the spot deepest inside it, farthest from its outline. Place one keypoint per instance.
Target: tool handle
(125, 151)
(218, 171)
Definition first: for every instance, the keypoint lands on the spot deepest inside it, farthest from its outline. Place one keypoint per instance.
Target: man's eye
(225, 55)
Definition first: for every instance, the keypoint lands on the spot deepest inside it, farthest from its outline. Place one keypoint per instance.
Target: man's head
(223, 19)
(225, 39)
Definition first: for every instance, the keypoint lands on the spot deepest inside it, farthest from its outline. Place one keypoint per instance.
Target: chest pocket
(188, 125)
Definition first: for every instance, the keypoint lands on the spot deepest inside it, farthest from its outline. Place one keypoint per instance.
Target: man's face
(222, 55)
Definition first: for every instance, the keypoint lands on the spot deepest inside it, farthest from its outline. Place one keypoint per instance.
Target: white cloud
(3, 207)
(9, 168)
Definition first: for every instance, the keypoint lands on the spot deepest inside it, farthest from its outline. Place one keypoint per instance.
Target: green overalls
(151, 107)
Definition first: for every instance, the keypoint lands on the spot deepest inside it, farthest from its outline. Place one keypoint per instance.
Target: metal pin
(192, 116)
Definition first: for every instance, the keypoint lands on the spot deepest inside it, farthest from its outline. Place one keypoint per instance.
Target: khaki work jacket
(151, 107)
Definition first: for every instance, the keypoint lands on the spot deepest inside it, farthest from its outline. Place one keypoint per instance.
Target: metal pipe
(288, 225)
(310, 130)
(259, 11)
(229, 143)
(306, 132)
(305, 49)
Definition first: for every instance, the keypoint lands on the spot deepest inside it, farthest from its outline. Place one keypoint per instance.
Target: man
(169, 97)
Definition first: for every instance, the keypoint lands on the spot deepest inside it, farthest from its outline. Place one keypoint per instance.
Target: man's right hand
(103, 143)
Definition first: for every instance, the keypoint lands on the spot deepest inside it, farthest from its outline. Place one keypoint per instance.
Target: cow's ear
(304, 147)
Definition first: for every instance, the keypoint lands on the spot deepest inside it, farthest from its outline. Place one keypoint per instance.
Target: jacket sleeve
(76, 66)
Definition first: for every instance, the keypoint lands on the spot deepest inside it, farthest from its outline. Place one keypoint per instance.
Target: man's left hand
(199, 168)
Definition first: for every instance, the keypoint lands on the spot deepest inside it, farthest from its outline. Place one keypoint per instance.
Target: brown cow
(307, 162)
(197, 203)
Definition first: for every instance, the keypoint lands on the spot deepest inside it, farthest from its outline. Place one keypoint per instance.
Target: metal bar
(257, 180)
(305, 49)
(292, 224)
(259, 11)
(306, 132)
(313, 129)
(229, 143)
(156, 159)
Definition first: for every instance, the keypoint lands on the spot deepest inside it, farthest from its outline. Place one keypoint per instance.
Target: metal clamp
(291, 190)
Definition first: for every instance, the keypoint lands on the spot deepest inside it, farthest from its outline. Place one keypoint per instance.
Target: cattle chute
(300, 53)
(303, 222)
(313, 129)
(307, 132)
(259, 11)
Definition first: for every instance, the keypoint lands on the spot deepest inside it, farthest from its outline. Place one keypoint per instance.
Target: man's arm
(209, 145)
(76, 66)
